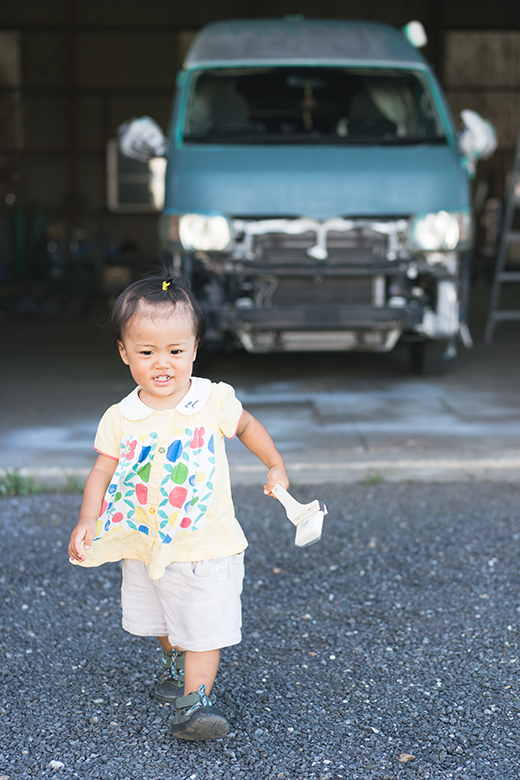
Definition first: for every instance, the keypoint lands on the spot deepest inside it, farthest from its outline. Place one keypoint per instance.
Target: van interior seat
(365, 118)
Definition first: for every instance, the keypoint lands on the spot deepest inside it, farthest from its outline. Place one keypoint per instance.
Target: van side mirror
(133, 186)
(141, 139)
(477, 140)
(136, 167)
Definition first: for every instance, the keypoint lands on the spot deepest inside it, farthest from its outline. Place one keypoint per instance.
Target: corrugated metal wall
(84, 66)
(482, 72)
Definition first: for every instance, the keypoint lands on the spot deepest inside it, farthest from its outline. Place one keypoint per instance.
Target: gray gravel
(397, 634)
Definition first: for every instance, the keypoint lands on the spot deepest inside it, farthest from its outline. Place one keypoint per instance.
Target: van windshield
(310, 105)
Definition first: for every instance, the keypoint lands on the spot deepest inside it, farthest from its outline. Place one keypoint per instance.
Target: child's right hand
(276, 475)
(81, 539)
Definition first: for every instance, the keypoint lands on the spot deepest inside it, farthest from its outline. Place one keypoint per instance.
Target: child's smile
(159, 347)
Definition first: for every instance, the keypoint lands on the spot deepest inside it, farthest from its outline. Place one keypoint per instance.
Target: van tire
(429, 358)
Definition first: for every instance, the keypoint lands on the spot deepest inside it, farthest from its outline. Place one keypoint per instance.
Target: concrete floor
(334, 416)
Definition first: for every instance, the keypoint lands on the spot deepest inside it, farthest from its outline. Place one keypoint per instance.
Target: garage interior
(72, 71)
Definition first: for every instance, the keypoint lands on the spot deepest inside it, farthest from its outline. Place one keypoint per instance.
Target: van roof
(301, 41)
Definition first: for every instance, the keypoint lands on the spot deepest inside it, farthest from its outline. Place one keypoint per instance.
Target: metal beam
(175, 27)
(72, 113)
(97, 28)
(45, 88)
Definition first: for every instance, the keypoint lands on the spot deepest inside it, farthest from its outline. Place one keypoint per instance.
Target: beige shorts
(196, 605)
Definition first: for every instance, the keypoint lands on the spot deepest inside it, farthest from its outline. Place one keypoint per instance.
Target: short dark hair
(155, 291)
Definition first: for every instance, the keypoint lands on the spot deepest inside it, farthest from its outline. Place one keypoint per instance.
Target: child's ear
(122, 352)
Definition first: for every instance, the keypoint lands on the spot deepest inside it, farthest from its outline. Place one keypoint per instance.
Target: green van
(316, 193)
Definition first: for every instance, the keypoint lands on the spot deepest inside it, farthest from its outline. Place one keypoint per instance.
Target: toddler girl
(159, 498)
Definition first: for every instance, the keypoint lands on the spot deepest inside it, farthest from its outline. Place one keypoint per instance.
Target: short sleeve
(108, 436)
(229, 410)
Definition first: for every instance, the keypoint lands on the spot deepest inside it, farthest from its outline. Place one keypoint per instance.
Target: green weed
(373, 478)
(12, 483)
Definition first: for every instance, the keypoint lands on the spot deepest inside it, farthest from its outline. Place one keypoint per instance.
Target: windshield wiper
(412, 139)
(316, 139)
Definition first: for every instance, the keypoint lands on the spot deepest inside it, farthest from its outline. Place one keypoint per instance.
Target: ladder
(508, 236)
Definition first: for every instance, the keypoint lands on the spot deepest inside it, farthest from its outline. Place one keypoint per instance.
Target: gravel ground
(396, 634)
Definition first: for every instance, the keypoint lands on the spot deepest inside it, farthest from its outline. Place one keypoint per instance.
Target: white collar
(134, 409)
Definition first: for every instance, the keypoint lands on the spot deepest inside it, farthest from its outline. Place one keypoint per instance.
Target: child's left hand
(276, 475)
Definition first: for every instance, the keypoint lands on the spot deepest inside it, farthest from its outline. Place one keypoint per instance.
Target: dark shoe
(171, 684)
(197, 718)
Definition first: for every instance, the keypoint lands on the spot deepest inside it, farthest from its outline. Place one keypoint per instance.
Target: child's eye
(146, 352)
(176, 351)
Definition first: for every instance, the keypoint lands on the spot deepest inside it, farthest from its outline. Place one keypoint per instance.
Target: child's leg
(165, 644)
(200, 669)
(195, 716)
(171, 683)
(206, 615)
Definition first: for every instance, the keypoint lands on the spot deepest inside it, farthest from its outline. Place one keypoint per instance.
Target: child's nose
(163, 360)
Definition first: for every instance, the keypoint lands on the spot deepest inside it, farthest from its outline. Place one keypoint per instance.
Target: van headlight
(441, 230)
(203, 233)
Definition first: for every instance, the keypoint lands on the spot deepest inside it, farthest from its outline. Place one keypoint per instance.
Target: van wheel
(429, 358)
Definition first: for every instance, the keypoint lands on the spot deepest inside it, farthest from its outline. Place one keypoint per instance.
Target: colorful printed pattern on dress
(187, 487)
(128, 491)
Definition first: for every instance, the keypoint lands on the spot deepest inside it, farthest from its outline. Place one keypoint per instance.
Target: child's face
(159, 347)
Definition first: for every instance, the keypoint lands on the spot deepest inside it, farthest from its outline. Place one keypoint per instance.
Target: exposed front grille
(330, 291)
(356, 247)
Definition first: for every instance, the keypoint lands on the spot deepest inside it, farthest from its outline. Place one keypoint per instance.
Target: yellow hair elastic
(165, 285)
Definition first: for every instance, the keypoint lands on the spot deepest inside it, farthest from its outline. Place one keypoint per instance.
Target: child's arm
(95, 488)
(255, 437)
